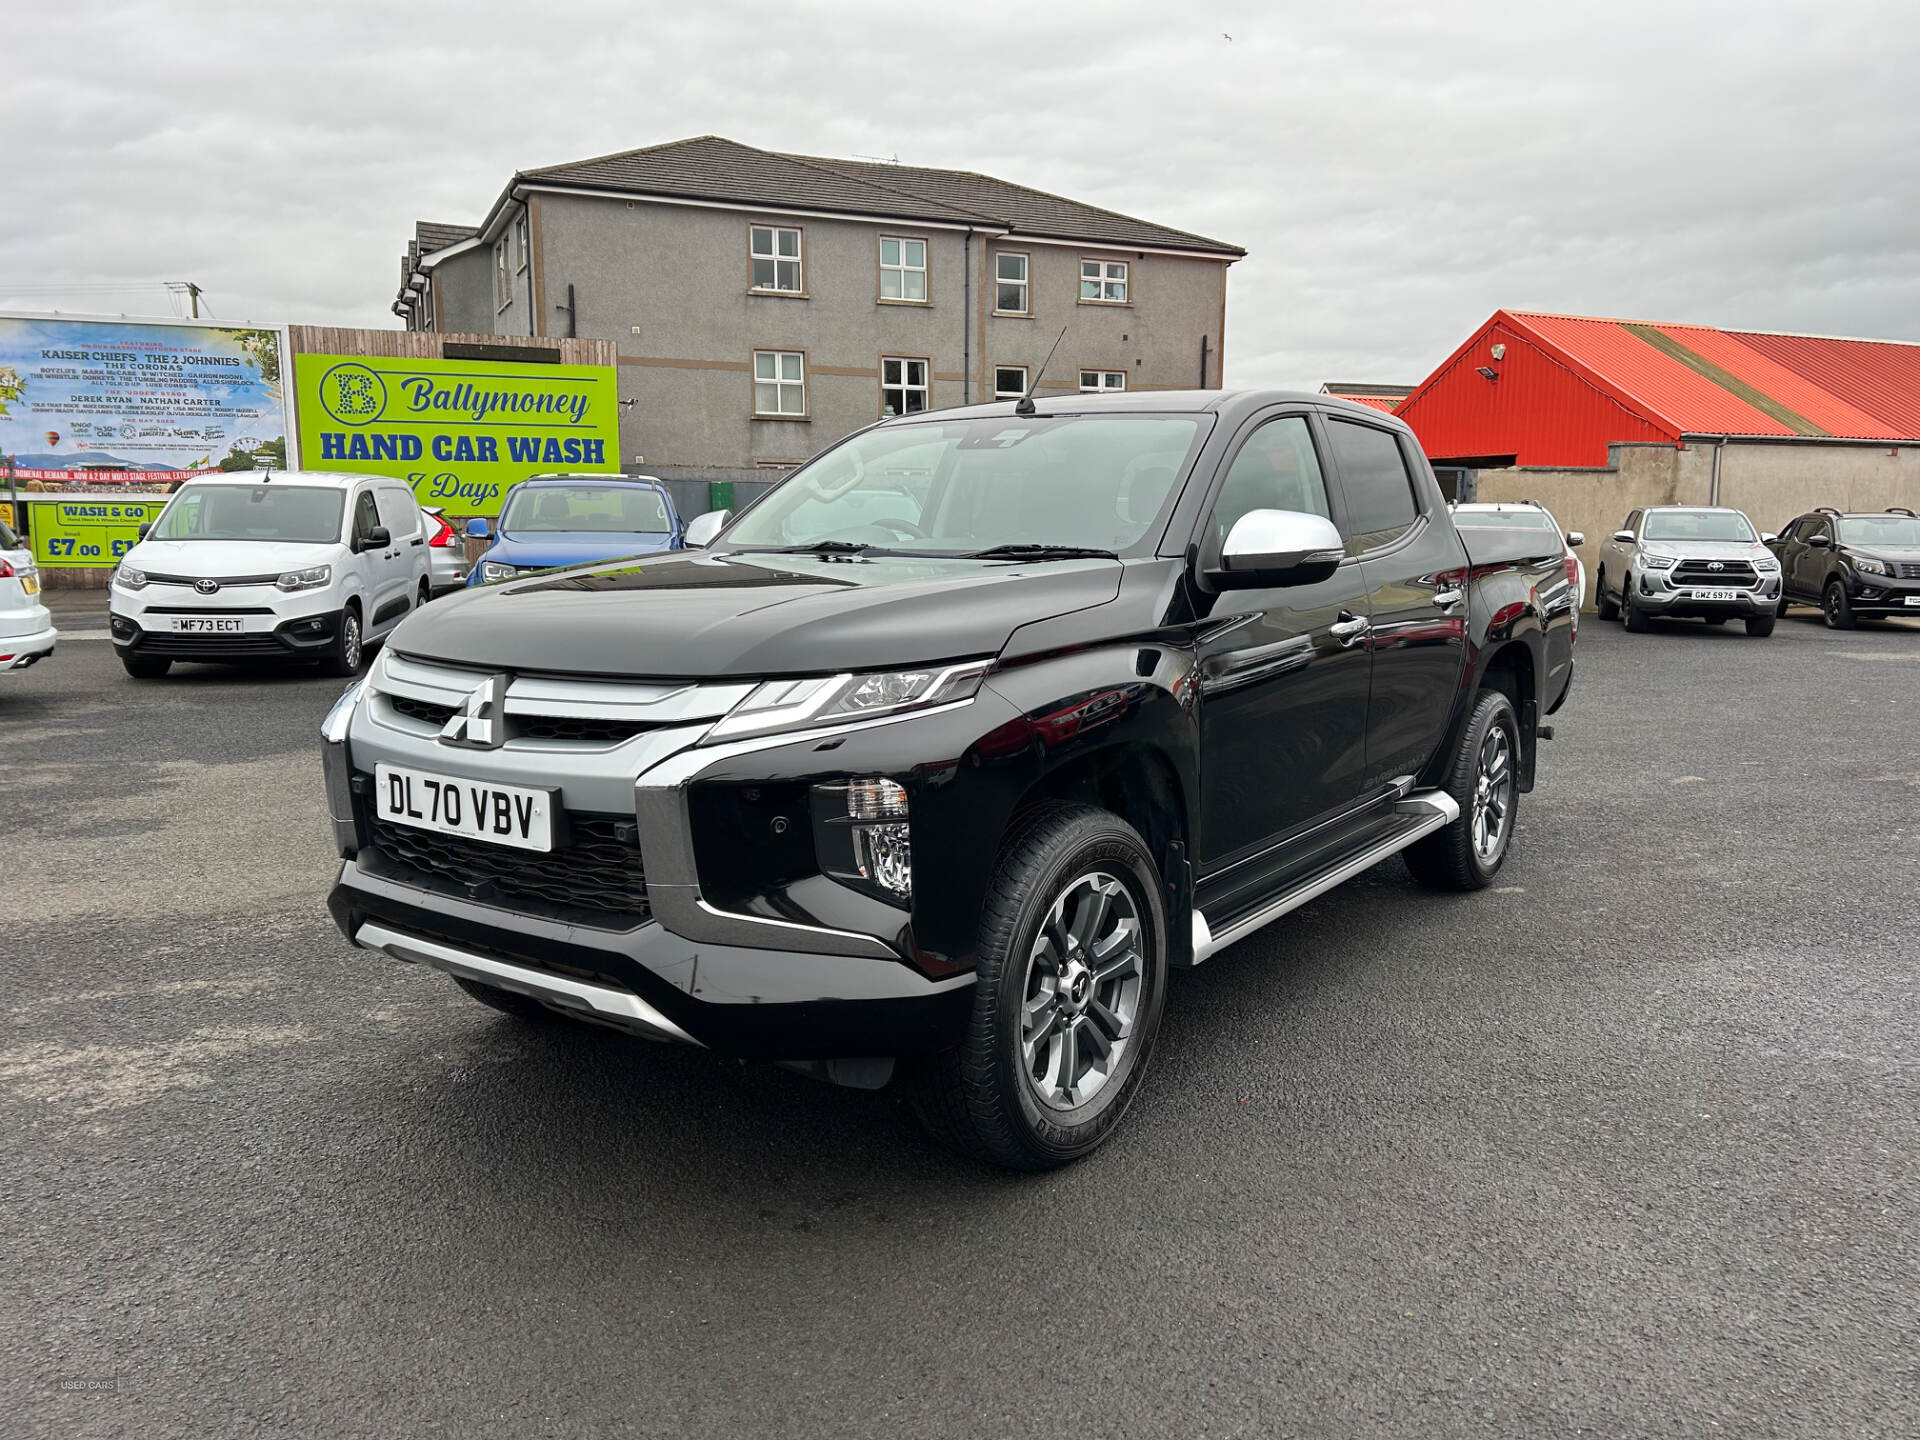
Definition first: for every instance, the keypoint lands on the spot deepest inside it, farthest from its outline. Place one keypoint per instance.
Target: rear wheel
(1072, 977)
(348, 652)
(1484, 782)
(145, 667)
(1632, 614)
(1603, 605)
(1837, 608)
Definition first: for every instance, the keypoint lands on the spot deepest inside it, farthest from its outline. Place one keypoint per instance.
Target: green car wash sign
(458, 431)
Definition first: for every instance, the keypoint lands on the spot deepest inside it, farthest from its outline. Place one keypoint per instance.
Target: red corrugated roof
(1377, 402)
(1879, 377)
(1814, 403)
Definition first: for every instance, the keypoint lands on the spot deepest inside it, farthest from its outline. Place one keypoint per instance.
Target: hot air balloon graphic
(53, 438)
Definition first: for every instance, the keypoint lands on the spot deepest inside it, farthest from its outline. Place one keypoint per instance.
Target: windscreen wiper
(1041, 552)
(821, 547)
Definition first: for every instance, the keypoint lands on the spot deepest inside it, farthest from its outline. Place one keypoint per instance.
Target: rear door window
(1378, 487)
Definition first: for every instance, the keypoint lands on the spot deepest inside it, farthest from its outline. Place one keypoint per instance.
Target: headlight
(128, 578)
(801, 704)
(1766, 565)
(1658, 562)
(310, 579)
(494, 570)
(1867, 565)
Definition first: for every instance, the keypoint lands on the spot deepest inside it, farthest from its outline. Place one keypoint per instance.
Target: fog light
(876, 800)
(885, 856)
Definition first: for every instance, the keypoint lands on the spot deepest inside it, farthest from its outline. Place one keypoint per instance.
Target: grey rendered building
(765, 305)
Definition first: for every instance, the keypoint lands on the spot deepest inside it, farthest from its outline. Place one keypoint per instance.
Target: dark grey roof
(431, 235)
(712, 168)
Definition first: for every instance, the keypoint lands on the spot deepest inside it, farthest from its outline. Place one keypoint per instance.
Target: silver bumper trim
(617, 1007)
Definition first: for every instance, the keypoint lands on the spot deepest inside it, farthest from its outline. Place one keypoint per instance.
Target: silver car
(1705, 562)
(446, 553)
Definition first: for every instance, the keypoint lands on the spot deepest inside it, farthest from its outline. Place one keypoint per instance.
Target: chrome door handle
(1347, 629)
(1445, 598)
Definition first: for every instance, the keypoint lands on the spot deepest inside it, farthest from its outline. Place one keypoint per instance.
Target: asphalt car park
(1627, 1144)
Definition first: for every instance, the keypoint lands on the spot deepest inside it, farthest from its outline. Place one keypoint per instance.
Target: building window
(522, 249)
(502, 281)
(1095, 382)
(779, 382)
(1104, 281)
(903, 386)
(1009, 382)
(903, 269)
(776, 259)
(1010, 284)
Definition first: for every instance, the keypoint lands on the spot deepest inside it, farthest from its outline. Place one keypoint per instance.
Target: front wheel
(348, 652)
(1067, 1000)
(1837, 607)
(1484, 782)
(1632, 614)
(1603, 604)
(145, 667)
(1758, 625)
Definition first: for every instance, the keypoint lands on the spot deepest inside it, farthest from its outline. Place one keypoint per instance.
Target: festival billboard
(134, 401)
(460, 432)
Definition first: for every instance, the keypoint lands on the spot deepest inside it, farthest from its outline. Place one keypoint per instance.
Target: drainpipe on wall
(966, 324)
(1713, 485)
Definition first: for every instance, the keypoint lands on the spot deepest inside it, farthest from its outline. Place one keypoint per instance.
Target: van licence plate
(1715, 595)
(207, 624)
(472, 809)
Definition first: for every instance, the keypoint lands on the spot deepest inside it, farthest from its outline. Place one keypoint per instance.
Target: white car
(295, 565)
(26, 629)
(1529, 515)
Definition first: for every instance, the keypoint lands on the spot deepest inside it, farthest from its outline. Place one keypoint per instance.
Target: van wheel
(1603, 606)
(348, 652)
(145, 667)
(1066, 1004)
(1484, 781)
(426, 594)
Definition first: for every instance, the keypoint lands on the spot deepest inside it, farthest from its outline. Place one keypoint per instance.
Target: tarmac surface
(1627, 1145)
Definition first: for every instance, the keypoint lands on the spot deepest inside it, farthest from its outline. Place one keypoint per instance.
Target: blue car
(553, 520)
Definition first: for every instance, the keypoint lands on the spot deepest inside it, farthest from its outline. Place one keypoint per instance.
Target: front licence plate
(472, 809)
(1716, 595)
(1913, 600)
(207, 624)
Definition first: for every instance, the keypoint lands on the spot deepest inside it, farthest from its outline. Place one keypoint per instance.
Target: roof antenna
(1025, 407)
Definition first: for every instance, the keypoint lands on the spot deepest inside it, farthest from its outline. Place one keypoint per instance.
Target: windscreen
(1505, 519)
(534, 509)
(301, 514)
(1699, 525)
(8, 540)
(958, 486)
(1892, 532)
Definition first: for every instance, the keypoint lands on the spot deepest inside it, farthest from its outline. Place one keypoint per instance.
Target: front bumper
(1883, 595)
(1655, 593)
(19, 651)
(300, 637)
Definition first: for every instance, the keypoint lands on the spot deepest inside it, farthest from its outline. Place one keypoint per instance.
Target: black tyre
(1781, 608)
(348, 653)
(1837, 607)
(426, 594)
(1484, 782)
(1634, 617)
(521, 1007)
(1758, 625)
(1072, 978)
(144, 667)
(1603, 605)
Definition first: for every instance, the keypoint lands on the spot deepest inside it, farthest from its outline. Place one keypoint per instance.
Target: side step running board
(1425, 813)
(621, 1008)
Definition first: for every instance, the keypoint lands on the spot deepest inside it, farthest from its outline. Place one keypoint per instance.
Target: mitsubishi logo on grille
(1716, 565)
(206, 587)
(480, 724)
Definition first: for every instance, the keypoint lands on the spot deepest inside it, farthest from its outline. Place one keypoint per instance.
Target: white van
(291, 565)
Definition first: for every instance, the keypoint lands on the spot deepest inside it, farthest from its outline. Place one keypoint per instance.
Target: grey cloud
(1396, 170)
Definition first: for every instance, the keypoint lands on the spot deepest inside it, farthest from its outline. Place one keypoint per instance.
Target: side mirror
(1576, 538)
(1819, 542)
(1767, 537)
(704, 527)
(376, 539)
(478, 529)
(144, 529)
(1273, 548)
(1625, 537)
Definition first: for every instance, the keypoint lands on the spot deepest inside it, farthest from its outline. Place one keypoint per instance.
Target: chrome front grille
(1907, 570)
(1737, 574)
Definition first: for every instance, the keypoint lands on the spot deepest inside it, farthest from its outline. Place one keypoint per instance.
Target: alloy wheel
(1082, 994)
(350, 640)
(1492, 795)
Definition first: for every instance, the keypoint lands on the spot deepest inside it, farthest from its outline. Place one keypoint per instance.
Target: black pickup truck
(933, 762)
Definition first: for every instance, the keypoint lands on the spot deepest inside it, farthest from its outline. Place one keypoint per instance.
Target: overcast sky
(1396, 171)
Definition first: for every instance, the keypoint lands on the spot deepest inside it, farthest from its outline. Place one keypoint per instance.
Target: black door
(1283, 672)
(1416, 576)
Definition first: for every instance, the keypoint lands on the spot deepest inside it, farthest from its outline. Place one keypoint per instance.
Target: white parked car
(296, 565)
(1529, 515)
(26, 629)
